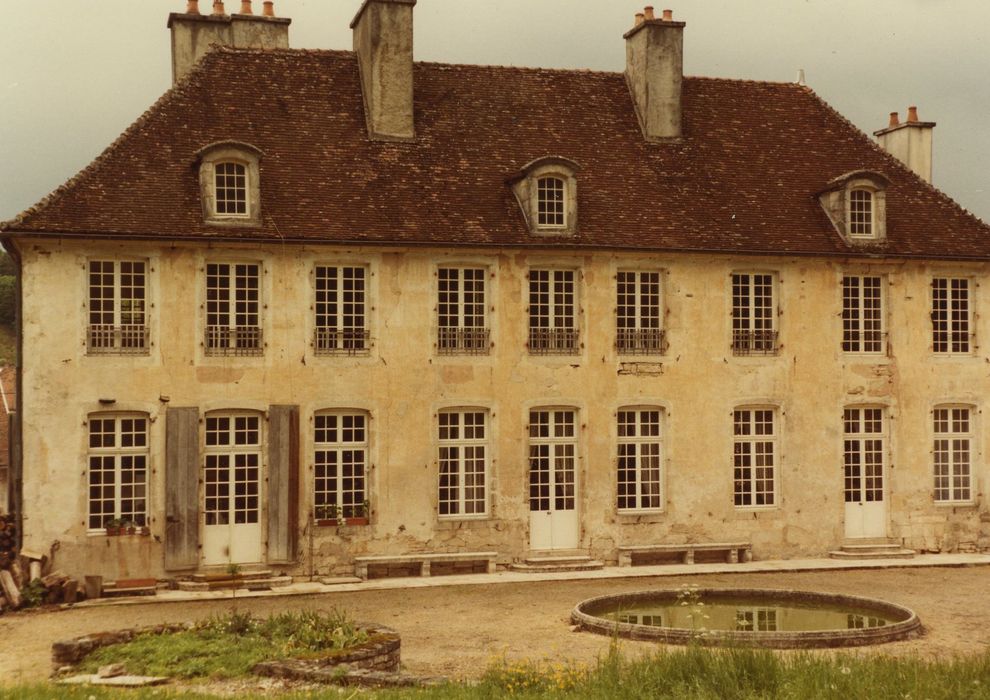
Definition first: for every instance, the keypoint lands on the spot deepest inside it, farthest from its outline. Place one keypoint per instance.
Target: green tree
(8, 304)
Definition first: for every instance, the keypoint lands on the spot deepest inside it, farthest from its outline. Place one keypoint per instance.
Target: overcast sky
(74, 74)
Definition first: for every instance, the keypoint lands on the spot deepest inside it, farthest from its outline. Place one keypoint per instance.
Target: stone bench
(734, 551)
(424, 559)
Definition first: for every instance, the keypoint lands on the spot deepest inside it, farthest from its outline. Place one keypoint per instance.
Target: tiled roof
(743, 178)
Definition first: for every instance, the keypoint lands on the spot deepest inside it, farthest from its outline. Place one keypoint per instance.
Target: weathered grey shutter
(181, 488)
(283, 483)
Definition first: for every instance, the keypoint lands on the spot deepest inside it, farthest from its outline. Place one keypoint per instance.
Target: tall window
(754, 457)
(952, 453)
(640, 459)
(117, 469)
(638, 316)
(862, 314)
(232, 475)
(341, 314)
(340, 464)
(233, 309)
(231, 189)
(863, 448)
(463, 462)
(754, 329)
(552, 459)
(550, 202)
(861, 213)
(118, 323)
(461, 323)
(951, 315)
(552, 317)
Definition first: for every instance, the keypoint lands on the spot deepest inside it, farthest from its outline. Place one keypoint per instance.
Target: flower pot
(145, 531)
(326, 522)
(112, 531)
(131, 530)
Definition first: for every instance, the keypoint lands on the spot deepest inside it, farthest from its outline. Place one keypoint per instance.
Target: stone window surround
(777, 416)
(488, 443)
(975, 453)
(639, 440)
(526, 190)
(224, 152)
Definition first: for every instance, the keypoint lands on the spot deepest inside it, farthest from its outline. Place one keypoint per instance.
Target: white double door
(864, 492)
(232, 508)
(554, 522)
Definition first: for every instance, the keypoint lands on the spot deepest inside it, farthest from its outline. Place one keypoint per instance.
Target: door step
(872, 548)
(552, 563)
(252, 580)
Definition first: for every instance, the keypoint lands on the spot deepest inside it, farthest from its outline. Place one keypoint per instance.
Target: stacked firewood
(25, 579)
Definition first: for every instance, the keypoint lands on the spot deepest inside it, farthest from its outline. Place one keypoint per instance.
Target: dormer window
(229, 184)
(230, 189)
(856, 204)
(861, 213)
(546, 190)
(550, 202)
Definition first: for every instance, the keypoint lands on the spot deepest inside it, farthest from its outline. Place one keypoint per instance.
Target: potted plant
(130, 527)
(360, 516)
(145, 530)
(114, 527)
(326, 514)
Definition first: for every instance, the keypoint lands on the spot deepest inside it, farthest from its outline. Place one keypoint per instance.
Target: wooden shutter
(181, 488)
(283, 483)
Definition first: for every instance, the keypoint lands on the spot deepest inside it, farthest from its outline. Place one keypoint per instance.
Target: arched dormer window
(229, 183)
(856, 203)
(546, 190)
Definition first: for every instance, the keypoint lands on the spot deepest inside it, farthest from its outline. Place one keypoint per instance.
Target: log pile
(25, 579)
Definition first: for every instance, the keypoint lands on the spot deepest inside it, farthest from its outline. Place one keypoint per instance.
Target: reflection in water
(745, 615)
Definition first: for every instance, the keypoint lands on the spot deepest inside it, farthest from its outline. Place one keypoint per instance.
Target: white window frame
(232, 337)
(118, 454)
(117, 330)
(754, 325)
(750, 447)
(556, 331)
(639, 312)
(861, 220)
(953, 454)
(639, 437)
(864, 314)
(344, 494)
(219, 156)
(953, 334)
(462, 315)
(458, 459)
(241, 190)
(343, 296)
(555, 207)
(242, 426)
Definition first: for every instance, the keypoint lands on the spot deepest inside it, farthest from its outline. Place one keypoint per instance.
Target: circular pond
(753, 617)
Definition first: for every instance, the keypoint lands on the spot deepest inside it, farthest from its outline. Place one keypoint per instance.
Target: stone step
(867, 548)
(246, 572)
(251, 583)
(339, 580)
(553, 564)
(887, 554)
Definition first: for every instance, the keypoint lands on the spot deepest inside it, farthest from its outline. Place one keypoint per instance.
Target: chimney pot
(218, 7)
(192, 7)
(640, 18)
(246, 7)
(912, 114)
(895, 119)
(648, 12)
(668, 15)
(269, 10)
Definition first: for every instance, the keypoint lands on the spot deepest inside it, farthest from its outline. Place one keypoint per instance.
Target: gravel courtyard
(456, 631)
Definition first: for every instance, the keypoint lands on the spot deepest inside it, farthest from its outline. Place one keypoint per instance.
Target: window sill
(964, 505)
(640, 517)
(138, 532)
(756, 512)
(456, 522)
(341, 522)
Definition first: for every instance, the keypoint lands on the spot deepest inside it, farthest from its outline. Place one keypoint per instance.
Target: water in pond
(746, 615)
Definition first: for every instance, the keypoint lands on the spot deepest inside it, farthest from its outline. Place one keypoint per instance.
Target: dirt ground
(456, 631)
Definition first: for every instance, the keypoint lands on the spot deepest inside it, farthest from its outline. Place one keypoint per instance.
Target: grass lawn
(691, 674)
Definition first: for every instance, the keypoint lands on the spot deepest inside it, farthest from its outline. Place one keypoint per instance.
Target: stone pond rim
(905, 624)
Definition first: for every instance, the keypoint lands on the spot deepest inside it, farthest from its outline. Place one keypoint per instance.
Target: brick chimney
(654, 72)
(910, 142)
(193, 33)
(383, 42)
